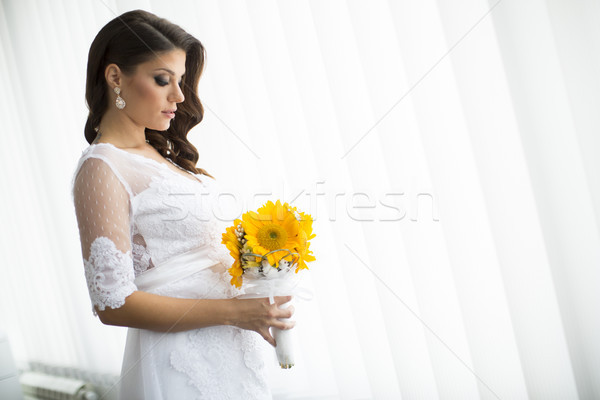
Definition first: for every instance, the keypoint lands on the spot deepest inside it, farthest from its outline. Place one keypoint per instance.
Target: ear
(113, 75)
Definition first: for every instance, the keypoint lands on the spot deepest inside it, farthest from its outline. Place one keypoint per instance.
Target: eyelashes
(161, 82)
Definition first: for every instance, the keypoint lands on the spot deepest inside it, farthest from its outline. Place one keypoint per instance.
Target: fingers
(259, 316)
(289, 311)
(267, 336)
(279, 314)
(279, 300)
(282, 307)
(283, 325)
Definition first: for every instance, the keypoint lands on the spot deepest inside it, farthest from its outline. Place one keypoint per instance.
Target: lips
(170, 113)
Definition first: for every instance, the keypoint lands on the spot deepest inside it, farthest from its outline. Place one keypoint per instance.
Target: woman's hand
(258, 315)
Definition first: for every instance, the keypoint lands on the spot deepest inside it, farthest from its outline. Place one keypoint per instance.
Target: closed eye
(161, 82)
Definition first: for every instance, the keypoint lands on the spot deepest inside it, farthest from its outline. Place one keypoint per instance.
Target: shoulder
(102, 151)
(98, 162)
(96, 157)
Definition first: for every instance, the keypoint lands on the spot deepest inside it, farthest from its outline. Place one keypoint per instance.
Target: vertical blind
(448, 152)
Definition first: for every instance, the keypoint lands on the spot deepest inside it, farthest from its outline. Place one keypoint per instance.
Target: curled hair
(132, 39)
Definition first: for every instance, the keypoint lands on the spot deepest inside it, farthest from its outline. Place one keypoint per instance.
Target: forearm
(161, 313)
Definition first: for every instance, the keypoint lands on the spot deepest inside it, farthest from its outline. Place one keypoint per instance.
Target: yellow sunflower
(272, 227)
(234, 246)
(305, 222)
(304, 236)
(305, 256)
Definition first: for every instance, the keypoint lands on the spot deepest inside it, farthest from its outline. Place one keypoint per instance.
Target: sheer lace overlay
(149, 213)
(134, 214)
(109, 274)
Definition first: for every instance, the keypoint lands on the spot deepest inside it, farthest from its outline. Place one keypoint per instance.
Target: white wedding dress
(144, 226)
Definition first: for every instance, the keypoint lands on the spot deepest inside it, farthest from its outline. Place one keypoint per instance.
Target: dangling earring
(120, 103)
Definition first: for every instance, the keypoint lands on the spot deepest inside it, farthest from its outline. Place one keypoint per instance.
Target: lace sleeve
(102, 207)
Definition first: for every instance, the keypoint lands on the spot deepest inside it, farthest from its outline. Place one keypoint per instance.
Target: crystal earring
(120, 103)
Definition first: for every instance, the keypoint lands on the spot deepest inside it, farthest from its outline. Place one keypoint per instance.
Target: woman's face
(153, 91)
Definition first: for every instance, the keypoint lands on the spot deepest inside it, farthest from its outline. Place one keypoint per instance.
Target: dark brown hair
(134, 38)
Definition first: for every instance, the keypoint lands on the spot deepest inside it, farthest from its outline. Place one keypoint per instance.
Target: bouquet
(270, 246)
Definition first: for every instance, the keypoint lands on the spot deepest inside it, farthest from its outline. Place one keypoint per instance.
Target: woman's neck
(118, 129)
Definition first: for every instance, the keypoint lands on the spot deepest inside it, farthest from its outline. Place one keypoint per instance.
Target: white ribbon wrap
(271, 284)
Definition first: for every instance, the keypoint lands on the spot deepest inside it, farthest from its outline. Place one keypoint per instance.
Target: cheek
(147, 96)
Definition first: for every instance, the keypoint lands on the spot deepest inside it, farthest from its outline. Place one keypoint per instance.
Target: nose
(177, 94)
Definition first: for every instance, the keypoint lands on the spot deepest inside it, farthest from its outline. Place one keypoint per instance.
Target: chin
(161, 127)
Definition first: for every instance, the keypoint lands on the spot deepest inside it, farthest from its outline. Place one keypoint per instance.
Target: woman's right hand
(259, 315)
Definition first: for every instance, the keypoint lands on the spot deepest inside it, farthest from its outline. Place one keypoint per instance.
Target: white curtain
(448, 151)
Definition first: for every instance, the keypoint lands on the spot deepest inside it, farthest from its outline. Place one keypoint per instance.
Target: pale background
(478, 120)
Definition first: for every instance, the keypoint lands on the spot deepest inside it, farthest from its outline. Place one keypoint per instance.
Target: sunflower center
(272, 236)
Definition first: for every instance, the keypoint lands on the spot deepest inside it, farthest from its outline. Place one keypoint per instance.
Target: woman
(146, 214)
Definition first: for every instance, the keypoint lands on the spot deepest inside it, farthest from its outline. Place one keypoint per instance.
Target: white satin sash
(175, 268)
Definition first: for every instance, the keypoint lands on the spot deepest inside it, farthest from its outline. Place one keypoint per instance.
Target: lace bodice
(134, 213)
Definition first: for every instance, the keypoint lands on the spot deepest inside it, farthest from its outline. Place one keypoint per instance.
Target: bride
(146, 215)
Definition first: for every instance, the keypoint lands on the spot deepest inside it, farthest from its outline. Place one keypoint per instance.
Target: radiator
(44, 386)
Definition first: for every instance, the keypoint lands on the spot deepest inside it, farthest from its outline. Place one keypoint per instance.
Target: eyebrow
(168, 70)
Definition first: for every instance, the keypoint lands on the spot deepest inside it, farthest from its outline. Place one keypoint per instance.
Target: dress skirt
(219, 362)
